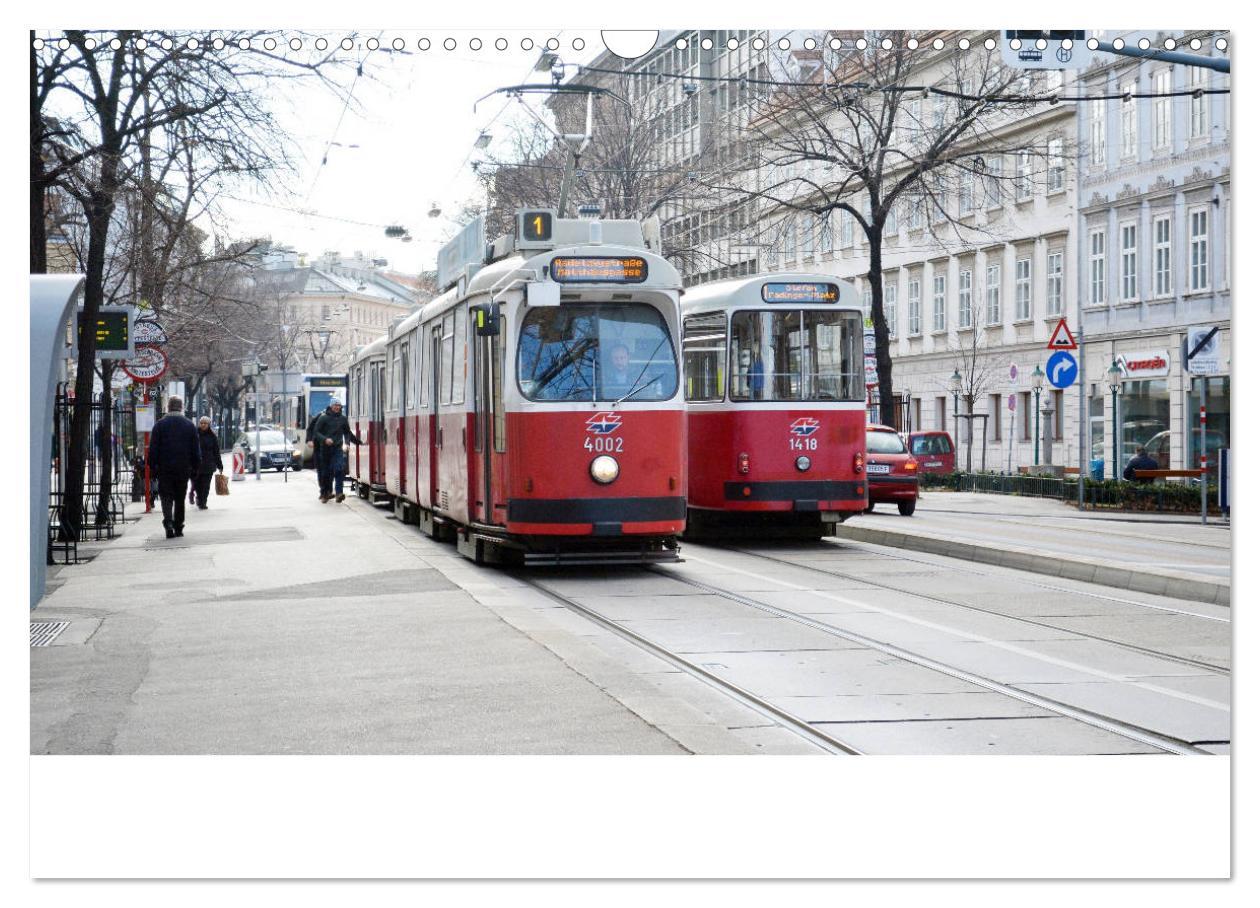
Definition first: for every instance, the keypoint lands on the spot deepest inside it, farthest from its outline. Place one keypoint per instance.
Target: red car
(933, 450)
(892, 474)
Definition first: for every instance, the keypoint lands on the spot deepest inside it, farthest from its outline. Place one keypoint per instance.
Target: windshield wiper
(635, 388)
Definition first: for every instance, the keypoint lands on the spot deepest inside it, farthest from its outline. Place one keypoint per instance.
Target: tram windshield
(796, 355)
(596, 352)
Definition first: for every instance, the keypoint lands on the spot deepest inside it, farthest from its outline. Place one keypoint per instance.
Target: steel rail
(1184, 660)
(897, 555)
(793, 723)
(1141, 735)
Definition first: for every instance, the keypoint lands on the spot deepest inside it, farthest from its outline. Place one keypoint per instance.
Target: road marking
(978, 638)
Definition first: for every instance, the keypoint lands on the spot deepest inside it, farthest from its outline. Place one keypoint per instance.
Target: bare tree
(872, 131)
(975, 366)
(111, 100)
(623, 169)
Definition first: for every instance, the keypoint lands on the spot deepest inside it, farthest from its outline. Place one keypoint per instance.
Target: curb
(1086, 571)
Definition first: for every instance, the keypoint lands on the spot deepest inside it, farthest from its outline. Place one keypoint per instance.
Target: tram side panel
(772, 441)
(550, 490)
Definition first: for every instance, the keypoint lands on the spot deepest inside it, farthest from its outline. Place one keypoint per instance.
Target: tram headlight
(802, 463)
(604, 469)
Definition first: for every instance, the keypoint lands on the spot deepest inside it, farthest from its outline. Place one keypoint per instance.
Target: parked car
(1132, 431)
(934, 451)
(1160, 447)
(275, 451)
(892, 474)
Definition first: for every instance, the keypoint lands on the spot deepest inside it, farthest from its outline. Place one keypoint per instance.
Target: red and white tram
(776, 405)
(533, 411)
(365, 410)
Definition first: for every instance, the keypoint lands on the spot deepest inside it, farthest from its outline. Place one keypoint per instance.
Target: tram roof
(372, 348)
(747, 291)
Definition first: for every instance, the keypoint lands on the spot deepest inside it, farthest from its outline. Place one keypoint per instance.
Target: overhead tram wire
(915, 89)
(336, 129)
(305, 212)
(472, 148)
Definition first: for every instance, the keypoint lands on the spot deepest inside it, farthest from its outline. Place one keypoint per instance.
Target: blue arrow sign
(1061, 369)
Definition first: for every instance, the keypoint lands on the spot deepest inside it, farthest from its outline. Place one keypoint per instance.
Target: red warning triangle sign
(1061, 338)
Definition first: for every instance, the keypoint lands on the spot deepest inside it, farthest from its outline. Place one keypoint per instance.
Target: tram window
(795, 355)
(417, 360)
(448, 355)
(604, 352)
(704, 353)
(393, 381)
(404, 375)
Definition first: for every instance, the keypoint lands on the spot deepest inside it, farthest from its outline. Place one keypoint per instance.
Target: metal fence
(1133, 496)
(99, 516)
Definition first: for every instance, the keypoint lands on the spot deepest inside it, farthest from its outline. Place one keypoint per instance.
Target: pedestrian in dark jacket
(317, 461)
(1140, 461)
(332, 432)
(211, 460)
(174, 456)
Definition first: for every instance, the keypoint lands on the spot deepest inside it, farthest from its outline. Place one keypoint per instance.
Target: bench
(1066, 471)
(1167, 474)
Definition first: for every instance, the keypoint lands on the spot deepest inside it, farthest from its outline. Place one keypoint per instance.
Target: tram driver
(618, 379)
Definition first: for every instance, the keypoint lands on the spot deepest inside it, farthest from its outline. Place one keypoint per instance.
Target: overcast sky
(415, 134)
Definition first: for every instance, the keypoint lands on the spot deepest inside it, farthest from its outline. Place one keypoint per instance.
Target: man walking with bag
(174, 456)
(211, 460)
(332, 431)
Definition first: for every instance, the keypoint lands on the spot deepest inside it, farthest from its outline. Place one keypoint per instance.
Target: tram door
(435, 374)
(376, 454)
(489, 487)
(404, 387)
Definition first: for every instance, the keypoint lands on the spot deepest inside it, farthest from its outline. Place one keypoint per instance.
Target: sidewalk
(1166, 555)
(281, 625)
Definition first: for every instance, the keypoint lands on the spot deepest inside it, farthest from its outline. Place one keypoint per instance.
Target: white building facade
(1153, 237)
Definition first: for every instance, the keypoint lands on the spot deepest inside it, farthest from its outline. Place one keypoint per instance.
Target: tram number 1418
(803, 444)
(607, 445)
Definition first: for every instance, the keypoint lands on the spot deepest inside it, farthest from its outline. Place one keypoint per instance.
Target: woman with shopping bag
(211, 460)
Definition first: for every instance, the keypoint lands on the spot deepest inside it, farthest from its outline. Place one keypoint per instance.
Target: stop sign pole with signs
(146, 367)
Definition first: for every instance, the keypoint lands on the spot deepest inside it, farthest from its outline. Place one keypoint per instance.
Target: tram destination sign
(604, 269)
(797, 292)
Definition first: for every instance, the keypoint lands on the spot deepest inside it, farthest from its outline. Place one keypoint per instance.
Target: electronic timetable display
(575, 269)
(800, 293)
(112, 331)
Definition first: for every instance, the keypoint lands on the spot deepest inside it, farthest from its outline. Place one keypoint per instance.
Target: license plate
(932, 463)
(878, 468)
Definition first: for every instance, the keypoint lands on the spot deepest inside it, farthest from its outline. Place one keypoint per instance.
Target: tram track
(1141, 735)
(968, 567)
(796, 724)
(1132, 647)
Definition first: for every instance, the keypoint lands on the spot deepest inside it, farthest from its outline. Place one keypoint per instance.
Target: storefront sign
(1144, 364)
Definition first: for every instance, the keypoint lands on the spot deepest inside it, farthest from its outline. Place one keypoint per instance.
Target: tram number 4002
(803, 444)
(599, 445)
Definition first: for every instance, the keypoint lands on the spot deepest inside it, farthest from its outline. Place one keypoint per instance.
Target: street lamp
(1115, 377)
(1038, 379)
(955, 388)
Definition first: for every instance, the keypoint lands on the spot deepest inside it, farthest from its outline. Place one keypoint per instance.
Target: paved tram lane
(282, 625)
(898, 654)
